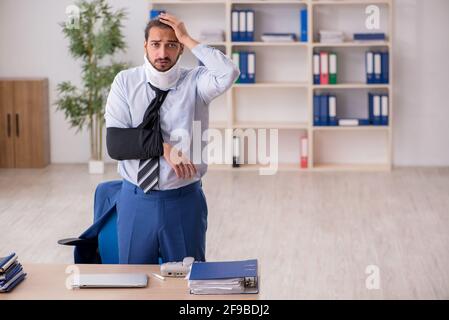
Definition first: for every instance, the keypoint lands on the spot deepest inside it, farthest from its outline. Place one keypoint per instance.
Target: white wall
(32, 45)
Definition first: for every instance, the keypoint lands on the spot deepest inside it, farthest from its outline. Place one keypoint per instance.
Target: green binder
(332, 68)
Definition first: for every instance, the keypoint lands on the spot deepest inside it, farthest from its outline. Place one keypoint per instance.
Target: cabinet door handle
(17, 125)
(8, 124)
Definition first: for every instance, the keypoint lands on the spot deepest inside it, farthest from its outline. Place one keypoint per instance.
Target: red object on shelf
(304, 152)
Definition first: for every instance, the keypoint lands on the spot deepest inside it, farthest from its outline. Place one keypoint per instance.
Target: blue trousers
(170, 224)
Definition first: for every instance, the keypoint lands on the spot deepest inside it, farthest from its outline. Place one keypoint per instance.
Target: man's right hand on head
(182, 166)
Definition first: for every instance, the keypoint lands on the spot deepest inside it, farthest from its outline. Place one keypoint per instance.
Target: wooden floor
(313, 233)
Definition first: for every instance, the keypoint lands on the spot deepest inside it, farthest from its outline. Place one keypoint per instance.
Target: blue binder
(316, 68)
(316, 110)
(235, 25)
(242, 25)
(377, 67)
(155, 13)
(249, 25)
(243, 67)
(385, 67)
(369, 36)
(384, 110)
(223, 270)
(369, 66)
(370, 108)
(376, 110)
(303, 19)
(324, 110)
(332, 117)
(251, 67)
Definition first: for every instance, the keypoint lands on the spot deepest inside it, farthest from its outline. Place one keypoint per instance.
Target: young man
(162, 211)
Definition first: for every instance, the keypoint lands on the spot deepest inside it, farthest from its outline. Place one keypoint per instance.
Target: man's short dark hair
(155, 23)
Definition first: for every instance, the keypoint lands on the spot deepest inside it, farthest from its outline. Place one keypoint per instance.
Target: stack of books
(11, 273)
(212, 35)
(331, 36)
(278, 37)
(230, 277)
(361, 37)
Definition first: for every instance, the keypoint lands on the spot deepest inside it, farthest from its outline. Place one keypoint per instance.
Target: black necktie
(148, 173)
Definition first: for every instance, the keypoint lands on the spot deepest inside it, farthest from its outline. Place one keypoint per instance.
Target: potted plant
(95, 35)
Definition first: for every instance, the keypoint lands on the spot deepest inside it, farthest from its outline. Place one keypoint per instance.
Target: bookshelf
(246, 106)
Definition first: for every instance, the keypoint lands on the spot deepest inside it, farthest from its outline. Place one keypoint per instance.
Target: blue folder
(333, 121)
(223, 270)
(235, 25)
(324, 110)
(251, 71)
(10, 273)
(369, 36)
(303, 18)
(369, 65)
(155, 13)
(385, 66)
(249, 33)
(243, 67)
(11, 285)
(316, 110)
(316, 76)
(5, 260)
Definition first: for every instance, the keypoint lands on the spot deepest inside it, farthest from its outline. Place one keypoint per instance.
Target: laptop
(110, 280)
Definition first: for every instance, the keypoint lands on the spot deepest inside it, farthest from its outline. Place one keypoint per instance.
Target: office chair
(102, 235)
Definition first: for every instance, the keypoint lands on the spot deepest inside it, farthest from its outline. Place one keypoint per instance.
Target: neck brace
(163, 80)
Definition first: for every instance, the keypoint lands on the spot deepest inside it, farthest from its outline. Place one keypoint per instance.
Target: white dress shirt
(187, 101)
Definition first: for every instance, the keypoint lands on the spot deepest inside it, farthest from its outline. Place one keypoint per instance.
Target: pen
(158, 276)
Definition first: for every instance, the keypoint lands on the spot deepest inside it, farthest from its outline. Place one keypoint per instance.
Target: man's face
(162, 48)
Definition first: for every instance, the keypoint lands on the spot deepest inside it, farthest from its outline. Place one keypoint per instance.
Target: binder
(303, 19)
(332, 101)
(7, 261)
(224, 277)
(324, 110)
(377, 68)
(376, 110)
(11, 284)
(316, 68)
(384, 110)
(352, 122)
(316, 110)
(304, 152)
(369, 36)
(369, 67)
(10, 273)
(384, 67)
(332, 68)
(251, 67)
(249, 25)
(242, 26)
(370, 108)
(235, 25)
(243, 67)
(236, 151)
(324, 68)
(155, 13)
(236, 60)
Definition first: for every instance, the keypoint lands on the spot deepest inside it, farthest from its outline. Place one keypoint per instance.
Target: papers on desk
(11, 273)
(229, 277)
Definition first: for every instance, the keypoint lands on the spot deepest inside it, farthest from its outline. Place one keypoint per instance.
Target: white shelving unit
(290, 85)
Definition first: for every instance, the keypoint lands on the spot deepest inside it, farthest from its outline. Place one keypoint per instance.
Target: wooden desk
(48, 281)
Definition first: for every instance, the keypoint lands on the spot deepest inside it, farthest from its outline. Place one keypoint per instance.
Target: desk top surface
(48, 281)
